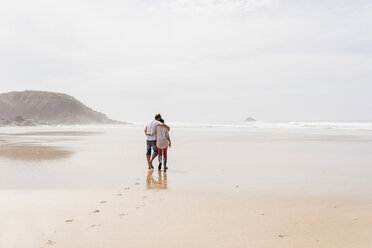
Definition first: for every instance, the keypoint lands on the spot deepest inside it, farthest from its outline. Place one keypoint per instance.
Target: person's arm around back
(164, 125)
(150, 134)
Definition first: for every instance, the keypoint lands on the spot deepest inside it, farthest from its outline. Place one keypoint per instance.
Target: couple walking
(158, 139)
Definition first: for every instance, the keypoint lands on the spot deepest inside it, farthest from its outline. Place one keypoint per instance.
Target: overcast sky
(201, 61)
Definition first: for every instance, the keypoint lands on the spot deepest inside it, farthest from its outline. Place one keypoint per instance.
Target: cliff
(48, 108)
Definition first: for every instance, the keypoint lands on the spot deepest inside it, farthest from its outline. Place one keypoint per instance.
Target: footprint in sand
(50, 242)
(282, 235)
(103, 202)
(262, 214)
(122, 215)
(96, 211)
(70, 220)
(136, 184)
(119, 194)
(95, 226)
(144, 197)
(126, 188)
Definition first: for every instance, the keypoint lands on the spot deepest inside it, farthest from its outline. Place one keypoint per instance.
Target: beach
(89, 186)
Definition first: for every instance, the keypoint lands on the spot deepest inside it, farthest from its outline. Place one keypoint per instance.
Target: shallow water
(286, 161)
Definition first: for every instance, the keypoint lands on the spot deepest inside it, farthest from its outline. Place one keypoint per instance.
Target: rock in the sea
(249, 119)
(29, 108)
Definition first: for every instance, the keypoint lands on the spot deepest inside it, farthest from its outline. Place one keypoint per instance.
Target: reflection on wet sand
(33, 152)
(55, 133)
(157, 182)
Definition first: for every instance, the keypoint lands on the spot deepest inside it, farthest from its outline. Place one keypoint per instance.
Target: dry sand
(134, 217)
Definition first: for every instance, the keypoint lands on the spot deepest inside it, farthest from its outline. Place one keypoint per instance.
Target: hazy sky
(202, 61)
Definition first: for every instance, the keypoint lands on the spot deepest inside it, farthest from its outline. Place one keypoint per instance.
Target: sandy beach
(138, 218)
(226, 187)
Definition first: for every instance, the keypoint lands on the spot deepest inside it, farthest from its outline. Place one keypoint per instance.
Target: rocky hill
(48, 108)
(249, 119)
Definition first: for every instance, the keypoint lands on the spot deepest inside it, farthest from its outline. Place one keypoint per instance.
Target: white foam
(362, 126)
(365, 126)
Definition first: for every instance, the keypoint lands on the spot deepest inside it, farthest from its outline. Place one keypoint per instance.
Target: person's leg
(155, 148)
(160, 154)
(148, 153)
(165, 150)
(160, 157)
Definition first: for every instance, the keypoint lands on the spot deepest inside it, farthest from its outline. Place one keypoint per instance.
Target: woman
(162, 142)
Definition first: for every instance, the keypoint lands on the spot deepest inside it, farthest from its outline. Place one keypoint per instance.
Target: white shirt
(151, 128)
(162, 136)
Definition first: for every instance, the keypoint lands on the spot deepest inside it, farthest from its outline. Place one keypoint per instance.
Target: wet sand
(224, 188)
(55, 133)
(29, 152)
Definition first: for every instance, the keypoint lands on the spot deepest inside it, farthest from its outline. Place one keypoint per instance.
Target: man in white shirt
(151, 139)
